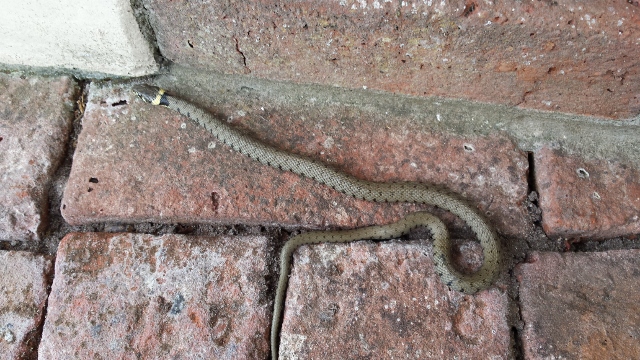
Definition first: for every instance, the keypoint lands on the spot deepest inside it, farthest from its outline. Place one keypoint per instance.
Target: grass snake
(410, 192)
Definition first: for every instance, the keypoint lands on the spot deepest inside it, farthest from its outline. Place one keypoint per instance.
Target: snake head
(151, 94)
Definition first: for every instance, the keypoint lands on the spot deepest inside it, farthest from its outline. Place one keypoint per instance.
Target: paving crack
(244, 58)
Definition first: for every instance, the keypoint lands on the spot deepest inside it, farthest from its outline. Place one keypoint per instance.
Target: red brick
(150, 164)
(581, 305)
(566, 55)
(35, 120)
(127, 296)
(23, 296)
(360, 300)
(587, 198)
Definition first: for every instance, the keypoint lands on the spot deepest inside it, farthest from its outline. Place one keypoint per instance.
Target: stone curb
(547, 55)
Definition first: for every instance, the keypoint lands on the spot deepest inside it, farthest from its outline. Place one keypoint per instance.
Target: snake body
(367, 190)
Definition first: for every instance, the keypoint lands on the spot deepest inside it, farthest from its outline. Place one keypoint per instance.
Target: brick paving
(156, 296)
(165, 243)
(588, 198)
(123, 296)
(581, 305)
(116, 177)
(360, 300)
(24, 281)
(35, 121)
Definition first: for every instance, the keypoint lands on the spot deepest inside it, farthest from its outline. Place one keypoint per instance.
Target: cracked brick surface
(581, 305)
(136, 162)
(35, 121)
(122, 296)
(568, 55)
(363, 299)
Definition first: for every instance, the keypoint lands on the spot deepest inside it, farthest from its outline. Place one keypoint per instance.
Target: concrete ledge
(91, 36)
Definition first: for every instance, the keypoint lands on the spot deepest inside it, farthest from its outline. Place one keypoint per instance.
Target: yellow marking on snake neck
(156, 101)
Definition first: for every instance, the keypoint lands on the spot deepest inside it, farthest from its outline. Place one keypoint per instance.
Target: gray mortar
(56, 71)
(588, 137)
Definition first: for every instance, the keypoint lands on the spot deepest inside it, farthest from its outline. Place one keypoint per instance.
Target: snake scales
(360, 189)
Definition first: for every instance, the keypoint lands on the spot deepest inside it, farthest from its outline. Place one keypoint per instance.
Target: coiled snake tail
(360, 189)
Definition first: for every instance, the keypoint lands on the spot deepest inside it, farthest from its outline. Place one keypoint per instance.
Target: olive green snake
(410, 192)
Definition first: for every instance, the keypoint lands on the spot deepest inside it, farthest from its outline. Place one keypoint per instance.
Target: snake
(391, 192)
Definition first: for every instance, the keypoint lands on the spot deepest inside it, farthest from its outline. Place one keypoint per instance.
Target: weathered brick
(126, 296)
(581, 305)
(35, 120)
(567, 55)
(136, 162)
(587, 198)
(24, 278)
(361, 300)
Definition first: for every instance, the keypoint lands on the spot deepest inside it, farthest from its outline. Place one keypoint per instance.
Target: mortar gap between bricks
(141, 14)
(533, 205)
(518, 351)
(514, 315)
(628, 242)
(57, 227)
(517, 324)
(36, 335)
(531, 176)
